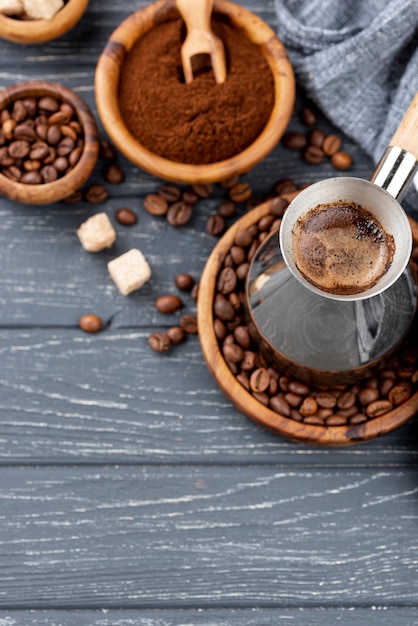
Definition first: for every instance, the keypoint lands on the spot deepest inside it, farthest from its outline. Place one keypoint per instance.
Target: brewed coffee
(341, 248)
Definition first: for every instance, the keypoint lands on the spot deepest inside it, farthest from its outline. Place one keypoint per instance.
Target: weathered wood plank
(203, 536)
(66, 396)
(308, 616)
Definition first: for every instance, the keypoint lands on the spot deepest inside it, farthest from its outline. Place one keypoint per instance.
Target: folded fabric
(357, 60)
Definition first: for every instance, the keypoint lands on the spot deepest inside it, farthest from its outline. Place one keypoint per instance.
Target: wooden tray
(243, 400)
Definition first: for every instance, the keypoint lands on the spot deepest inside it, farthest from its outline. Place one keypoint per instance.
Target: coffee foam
(341, 248)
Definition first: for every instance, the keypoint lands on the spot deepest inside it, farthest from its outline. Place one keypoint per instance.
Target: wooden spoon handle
(196, 14)
(406, 136)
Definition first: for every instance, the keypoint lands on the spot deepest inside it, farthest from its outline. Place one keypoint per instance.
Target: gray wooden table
(131, 491)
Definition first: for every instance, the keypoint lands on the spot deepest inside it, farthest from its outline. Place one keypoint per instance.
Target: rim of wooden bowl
(107, 81)
(242, 399)
(45, 193)
(40, 31)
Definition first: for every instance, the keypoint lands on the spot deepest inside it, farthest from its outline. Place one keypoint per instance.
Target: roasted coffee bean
(170, 192)
(215, 225)
(331, 145)
(179, 214)
(189, 324)
(316, 137)
(24, 132)
(60, 164)
(189, 196)
(159, 342)
(346, 400)
(242, 271)
(74, 197)
(155, 204)
(227, 280)
(308, 116)
(184, 282)
(107, 150)
(278, 206)
(203, 190)
(48, 173)
(53, 135)
(400, 393)
(243, 238)
(90, 323)
(75, 155)
(227, 209)
(39, 151)
(368, 395)
(95, 194)
(19, 111)
(299, 388)
(126, 217)
(168, 303)
(32, 178)
(219, 328)
(313, 155)
(240, 192)
(65, 146)
(294, 399)
(31, 106)
(8, 128)
(265, 223)
(176, 334)
(30, 166)
(244, 380)
(259, 380)
(114, 174)
(242, 336)
(233, 353)
(358, 418)
(336, 420)
(280, 405)
(237, 254)
(294, 141)
(223, 308)
(309, 406)
(5, 158)
(48, 104)
(12, 173)
(314, 420)
(341, 160)
(378, 408)
(227, 183)
(195, 291)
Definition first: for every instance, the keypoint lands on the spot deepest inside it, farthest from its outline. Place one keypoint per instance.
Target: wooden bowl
(39, 31)
(107, 82)
(247, 403)
(63, 187)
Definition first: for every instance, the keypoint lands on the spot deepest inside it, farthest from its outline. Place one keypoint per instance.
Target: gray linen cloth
(357, 60)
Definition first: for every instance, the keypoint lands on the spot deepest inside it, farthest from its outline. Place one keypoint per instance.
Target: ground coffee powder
(202, 122)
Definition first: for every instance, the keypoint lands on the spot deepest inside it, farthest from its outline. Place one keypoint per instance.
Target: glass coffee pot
(332, 338)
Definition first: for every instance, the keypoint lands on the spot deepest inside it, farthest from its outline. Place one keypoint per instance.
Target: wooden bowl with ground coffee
(50, 142)
(32, 22)
(201, 132)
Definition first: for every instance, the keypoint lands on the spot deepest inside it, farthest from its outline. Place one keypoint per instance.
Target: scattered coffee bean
(308, 116)
(331, 145)
(313, 155)
(316, 137)
(107, 151)
(189, 324)
(179, 214)
(90, 323)
(240, 192)
(341, 160)
(176, 334)
(215, 225)
(114, 174)
(159, 342)
(203, 191)
(170, 192)
(155, 204)
(95, 194)
(294, 141)
(184, 282)
(168, 303)
(126, 217)
(227, 209)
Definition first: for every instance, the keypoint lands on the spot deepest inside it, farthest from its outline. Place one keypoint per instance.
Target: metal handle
(395, 171)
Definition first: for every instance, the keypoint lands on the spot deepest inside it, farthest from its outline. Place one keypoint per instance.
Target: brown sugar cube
(96, 233)
(129, 271)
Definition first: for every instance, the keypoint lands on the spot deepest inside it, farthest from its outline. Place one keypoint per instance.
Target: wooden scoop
(200, 42)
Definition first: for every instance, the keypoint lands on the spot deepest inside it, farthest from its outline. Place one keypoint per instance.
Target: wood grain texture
(131, 491)
(222, 537)
(70, 397)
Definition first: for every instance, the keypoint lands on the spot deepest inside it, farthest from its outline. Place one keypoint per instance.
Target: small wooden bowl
(107, 82)
(45, 193)
(39, 31)
(247, 403)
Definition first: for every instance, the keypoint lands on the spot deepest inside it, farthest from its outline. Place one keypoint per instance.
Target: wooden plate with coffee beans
(330, 416)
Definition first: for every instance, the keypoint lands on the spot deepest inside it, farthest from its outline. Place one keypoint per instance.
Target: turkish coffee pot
(332, 338)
